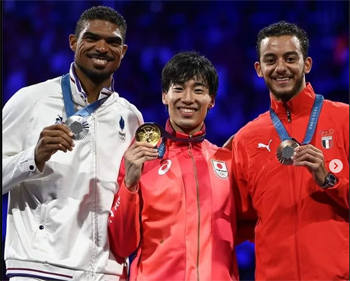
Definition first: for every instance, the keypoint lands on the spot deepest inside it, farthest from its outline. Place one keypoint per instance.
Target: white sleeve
(18, 163)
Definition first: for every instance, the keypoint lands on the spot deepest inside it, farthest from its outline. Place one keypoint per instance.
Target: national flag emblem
(327, 142)
(220, 168)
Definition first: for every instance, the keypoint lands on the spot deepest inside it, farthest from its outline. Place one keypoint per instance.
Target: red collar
(300, 104)
(171, 131)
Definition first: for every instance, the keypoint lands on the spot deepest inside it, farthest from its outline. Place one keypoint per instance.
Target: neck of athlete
(91, 88)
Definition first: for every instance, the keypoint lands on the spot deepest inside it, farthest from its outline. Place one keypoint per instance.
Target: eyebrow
(196, 84)
(285, 54)
(200, 84)
(113, 38)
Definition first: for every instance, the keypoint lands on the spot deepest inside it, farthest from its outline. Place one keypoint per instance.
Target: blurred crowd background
(35, 48)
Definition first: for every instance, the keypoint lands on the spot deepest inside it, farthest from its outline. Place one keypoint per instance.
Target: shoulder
(131, 107)
(336, 111)
(336, 105)
(219, 152)
(28, 96)
(254, 129)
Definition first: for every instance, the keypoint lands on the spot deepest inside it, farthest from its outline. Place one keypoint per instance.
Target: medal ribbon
(166, 135)
(315, 114)
(68, 101)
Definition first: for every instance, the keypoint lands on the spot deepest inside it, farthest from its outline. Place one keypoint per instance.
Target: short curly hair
(101, 13)
(282, 28)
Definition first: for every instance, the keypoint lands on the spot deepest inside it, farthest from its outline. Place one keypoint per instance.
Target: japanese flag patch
(220, 168)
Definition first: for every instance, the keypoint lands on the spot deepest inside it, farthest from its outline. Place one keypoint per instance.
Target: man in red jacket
(292, 167)
(175, 204)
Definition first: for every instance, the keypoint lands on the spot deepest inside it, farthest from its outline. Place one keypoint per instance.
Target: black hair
(189, 64)
(101, 13)
(282, 28)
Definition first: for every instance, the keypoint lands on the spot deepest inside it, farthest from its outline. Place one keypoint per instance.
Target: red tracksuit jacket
(182, 220)
(303, 230)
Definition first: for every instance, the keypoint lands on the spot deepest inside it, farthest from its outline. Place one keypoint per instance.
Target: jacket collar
(79, 96)
(300, 104)
(171, 131)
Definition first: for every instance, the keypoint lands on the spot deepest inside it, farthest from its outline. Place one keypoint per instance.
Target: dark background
(35, 48)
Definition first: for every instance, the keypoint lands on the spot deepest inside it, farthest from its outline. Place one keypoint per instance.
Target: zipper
(198, 207)
(291, 174)
(289, 116)
(296, 225)
(94, 216)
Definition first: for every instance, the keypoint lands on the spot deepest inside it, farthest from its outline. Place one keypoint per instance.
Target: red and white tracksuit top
(303, 230)
(182, 220)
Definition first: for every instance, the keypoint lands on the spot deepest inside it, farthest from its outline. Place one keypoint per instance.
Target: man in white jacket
(63, 141)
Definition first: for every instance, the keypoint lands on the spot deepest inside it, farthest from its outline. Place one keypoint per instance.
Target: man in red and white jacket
(178, 212)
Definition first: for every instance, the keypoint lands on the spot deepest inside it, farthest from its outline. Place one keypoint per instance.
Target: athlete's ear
(212, 102)
(307, 65)
(165, 98)
(258, 70)
(125, 48)
(72, 42)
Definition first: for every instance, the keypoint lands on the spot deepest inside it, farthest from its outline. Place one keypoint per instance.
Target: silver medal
(78, 125)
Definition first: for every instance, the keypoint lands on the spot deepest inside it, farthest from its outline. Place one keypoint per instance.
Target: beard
(96, 76)
(284, 95)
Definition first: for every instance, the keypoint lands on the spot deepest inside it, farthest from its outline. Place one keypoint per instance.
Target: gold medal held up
(149, 133)
(285, 151)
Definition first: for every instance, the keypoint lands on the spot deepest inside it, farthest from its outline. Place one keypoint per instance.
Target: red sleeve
(124, 220)
(246, 215)
(340, 192)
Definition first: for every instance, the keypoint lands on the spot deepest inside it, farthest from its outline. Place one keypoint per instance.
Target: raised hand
(52, 138)
(136, 155)
(312, 158)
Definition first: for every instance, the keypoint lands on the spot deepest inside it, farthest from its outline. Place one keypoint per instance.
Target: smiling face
(188, 104)
(282, 66)
(99, 50)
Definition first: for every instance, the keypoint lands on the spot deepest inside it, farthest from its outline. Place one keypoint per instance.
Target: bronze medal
(148, 133)
(78, 125)
(285, 151)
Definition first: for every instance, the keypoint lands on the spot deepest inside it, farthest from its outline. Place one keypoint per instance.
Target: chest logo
(122, 135)
(166, 164)
(327, 139)
(220, 168)
(267, 146)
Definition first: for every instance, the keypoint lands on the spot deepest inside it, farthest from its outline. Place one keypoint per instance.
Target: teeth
(187, 110)
(282, 79)
(99, 61)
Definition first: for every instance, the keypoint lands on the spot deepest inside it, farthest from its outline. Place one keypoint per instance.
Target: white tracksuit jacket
(57, 219)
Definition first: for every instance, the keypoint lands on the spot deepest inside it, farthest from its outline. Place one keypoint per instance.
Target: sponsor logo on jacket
(219, 168)
(165, 167)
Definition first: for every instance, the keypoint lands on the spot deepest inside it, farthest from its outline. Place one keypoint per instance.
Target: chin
(285, 95)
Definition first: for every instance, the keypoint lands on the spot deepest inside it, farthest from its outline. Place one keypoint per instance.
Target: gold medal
(285, 151)
(149, 133)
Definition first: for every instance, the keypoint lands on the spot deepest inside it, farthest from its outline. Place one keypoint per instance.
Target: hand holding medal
(52, 139)
(144, 149)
